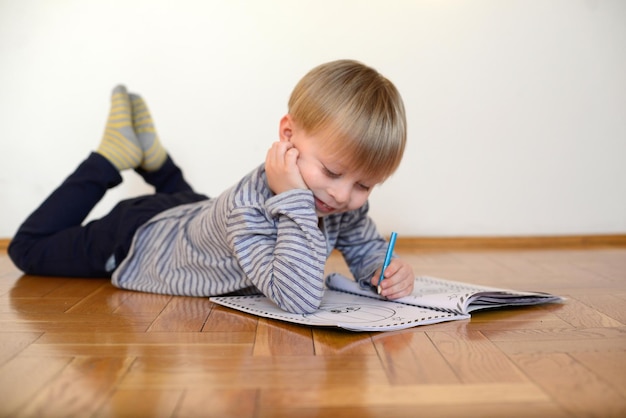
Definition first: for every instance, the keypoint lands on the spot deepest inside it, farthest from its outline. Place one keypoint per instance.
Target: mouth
(323, 208)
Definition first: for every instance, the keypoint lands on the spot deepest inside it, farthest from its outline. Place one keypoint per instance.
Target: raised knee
(18, 253)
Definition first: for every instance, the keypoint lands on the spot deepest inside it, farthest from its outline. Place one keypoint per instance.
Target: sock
(119, 143)
(154, 154)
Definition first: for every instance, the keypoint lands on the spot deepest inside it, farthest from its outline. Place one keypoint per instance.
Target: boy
(272, 232)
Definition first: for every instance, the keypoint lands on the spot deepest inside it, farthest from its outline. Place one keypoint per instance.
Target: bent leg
(48, 230)
(153, 152)
(167, 179)
(157, 167)
(53, 242)
(119, 143)
(95, 249)
(124, 220)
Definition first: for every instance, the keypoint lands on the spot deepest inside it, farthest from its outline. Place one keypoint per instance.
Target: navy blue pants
(53, 242)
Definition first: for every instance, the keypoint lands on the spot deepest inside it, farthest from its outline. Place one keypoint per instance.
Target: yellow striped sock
(119, 143)
(154, 154)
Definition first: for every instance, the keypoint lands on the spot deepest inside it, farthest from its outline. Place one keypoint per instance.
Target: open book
(348, 305)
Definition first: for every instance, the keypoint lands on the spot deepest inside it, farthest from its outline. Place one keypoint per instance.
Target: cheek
(307, 172)
(358, 199)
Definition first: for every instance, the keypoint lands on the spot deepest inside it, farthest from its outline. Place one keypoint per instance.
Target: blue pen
(392, 243)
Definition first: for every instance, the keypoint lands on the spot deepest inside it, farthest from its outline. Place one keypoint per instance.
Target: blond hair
(360, 112)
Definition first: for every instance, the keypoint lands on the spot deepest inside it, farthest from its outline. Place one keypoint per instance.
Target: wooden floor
(76, 347)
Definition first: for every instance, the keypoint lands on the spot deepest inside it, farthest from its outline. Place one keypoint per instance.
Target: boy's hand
(281, 168)
(399, 279)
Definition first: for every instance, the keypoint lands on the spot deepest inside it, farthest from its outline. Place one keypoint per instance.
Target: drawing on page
(353, 313)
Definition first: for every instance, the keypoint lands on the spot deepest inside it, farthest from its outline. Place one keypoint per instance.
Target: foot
(154, 154)
(119, 143)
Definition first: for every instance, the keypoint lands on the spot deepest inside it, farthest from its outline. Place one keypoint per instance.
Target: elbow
(299, 305)
(301, 310)
(308, 310)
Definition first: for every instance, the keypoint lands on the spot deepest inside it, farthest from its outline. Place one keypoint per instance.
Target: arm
(280, 246)
(361, 245)
(364, 250)
(282, 250)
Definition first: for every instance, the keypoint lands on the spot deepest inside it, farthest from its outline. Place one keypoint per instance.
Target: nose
(340, 192)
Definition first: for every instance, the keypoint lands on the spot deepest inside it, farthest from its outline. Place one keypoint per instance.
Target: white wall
(517, 109)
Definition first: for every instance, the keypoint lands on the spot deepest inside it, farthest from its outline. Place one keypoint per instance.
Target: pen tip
(380, 290)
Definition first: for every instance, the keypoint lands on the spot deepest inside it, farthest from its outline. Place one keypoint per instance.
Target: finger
(291, 157)
(375, 278)
(401, 282)
(397, 290)
(392, 268)
(284, 146)
(274, 148)
(278, 151)
(287, 153)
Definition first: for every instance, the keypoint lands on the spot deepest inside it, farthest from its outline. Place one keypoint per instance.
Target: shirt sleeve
(361, 245)
(281, 249)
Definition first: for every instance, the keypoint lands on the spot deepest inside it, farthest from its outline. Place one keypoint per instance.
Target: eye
(331, 174)
(363, 187)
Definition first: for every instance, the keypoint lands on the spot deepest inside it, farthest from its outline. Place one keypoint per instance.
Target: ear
(285, 128)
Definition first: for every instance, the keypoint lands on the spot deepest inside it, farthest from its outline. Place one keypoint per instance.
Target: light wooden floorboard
(80, 347)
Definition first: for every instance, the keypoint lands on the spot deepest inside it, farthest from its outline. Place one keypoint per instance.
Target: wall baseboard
(526, 242)
(466, 243)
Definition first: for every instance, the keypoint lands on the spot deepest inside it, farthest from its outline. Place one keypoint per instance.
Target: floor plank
(81, 347)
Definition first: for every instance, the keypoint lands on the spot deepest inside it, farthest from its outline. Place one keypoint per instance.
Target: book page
(448, 295)
(348, 311)
(429, 293)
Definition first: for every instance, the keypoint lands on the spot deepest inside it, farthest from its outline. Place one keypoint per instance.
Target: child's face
(336, 187)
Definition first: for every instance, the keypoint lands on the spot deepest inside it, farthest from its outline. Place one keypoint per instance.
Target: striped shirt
(249, 240)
